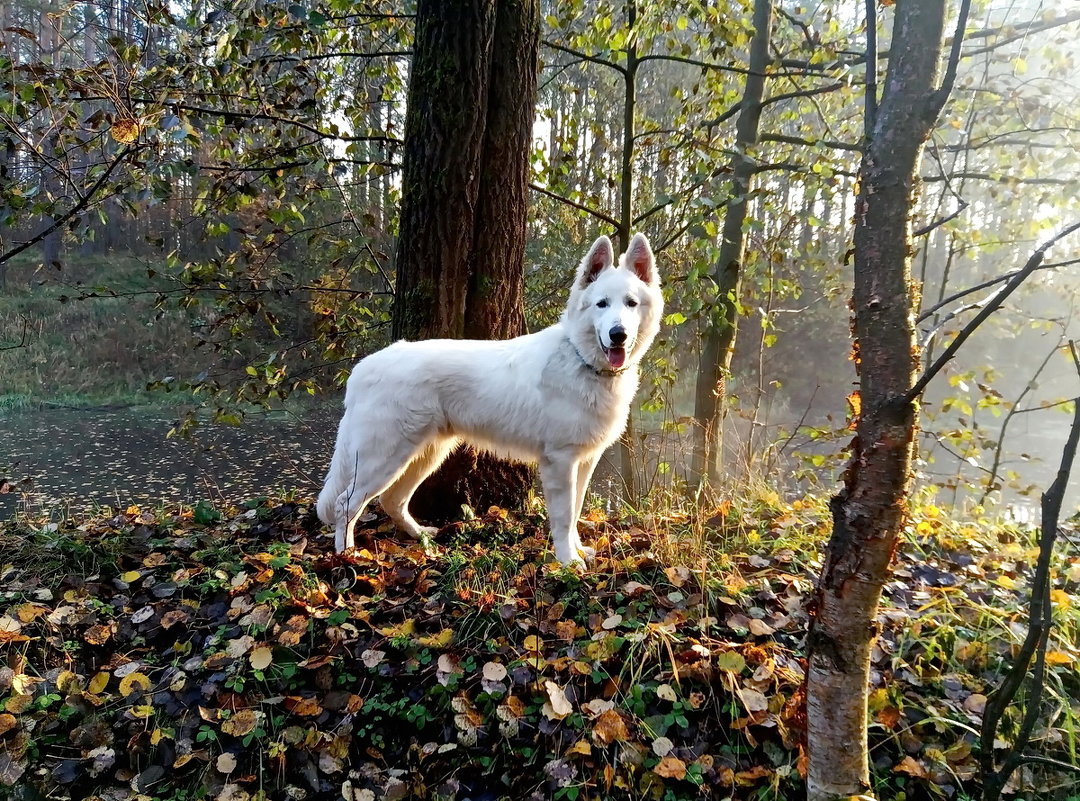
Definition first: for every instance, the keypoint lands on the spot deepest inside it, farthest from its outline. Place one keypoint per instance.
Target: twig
(992, 306)
(597, 214)
(84, 201)
(1035, 642)
(926, 315)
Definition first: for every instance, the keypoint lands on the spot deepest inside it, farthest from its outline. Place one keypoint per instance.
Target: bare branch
(597, 214)
(870, 98)
(1022, 31)
(926, 315)
(963, 204)
(943, 92)
(83, 202)
(992, 306)
(798, 140)
(586, 57)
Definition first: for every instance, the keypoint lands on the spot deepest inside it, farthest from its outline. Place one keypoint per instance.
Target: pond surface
(116, 457)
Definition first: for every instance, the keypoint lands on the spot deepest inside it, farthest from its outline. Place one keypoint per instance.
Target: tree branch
(83, 202)
(947, 82)
(963, 204)
(597, 214)
(870, 98)
(586, 57)
(992, 306)
(798, 140)
(926, 315)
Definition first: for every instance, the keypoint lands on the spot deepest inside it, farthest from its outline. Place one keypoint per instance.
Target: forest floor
(182, 653)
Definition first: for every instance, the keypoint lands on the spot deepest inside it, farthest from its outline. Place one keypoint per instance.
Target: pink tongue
(616, 357)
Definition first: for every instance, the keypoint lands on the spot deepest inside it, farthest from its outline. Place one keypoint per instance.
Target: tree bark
(719, 342)
(444, 137)
(625, 446)
(868, 511)
(461, 247)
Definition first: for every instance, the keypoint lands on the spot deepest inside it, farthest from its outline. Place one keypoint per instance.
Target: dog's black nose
(617, 335)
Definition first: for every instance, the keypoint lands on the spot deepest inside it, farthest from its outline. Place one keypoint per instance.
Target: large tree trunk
(444, 138)
(719, 342)
(869, 511)
(461, 247)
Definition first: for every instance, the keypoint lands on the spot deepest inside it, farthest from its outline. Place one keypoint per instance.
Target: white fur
(552, 398)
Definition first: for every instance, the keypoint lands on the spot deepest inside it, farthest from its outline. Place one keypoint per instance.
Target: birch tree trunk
(869, 510)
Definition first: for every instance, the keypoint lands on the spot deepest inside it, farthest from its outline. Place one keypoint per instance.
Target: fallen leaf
(557, 706)
(134, 682)
(261, 658)
(610, 728)
(753, 700)
(671, 767)
(494, 671)
(911, 767)
(241, 723)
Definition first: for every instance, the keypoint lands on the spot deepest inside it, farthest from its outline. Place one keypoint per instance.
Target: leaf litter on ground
(175, 654)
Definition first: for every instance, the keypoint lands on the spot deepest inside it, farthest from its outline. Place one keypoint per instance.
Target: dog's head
(614, 312)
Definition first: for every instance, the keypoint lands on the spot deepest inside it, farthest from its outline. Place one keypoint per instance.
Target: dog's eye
(602, 304)
(631, 302)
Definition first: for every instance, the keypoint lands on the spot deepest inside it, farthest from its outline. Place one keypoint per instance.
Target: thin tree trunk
(868, 511)
(625, 446)
(719, 343)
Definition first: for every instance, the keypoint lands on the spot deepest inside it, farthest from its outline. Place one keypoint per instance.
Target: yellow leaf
(534, 644)
(241, 724)
(1061, 598)
(132, 510)
(440, 640)
(142, 711)
(130, 576)
(125, 131)
(580, 747)
(1059, 658)
(134, 682)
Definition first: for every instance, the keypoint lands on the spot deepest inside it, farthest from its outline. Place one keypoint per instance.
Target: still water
(81, 457)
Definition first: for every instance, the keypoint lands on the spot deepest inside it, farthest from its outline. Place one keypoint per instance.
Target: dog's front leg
(558, 475)
(583, 473)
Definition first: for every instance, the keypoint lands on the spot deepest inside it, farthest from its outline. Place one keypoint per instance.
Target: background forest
(207, 213)
(206, 198)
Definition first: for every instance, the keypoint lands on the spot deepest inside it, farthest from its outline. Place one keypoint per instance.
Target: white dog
(558, 397)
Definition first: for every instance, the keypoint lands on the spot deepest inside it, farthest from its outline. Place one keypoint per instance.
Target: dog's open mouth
(615, 356)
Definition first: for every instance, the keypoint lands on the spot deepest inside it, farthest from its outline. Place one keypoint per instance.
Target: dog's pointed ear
(600, 256)
(639, 258)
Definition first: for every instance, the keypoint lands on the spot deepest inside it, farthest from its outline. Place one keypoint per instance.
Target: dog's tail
(337, 479)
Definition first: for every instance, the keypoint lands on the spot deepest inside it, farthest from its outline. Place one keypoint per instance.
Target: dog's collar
(602, 371)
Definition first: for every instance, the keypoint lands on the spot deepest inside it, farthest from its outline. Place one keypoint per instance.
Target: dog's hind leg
(371, 475)
(395, 498)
